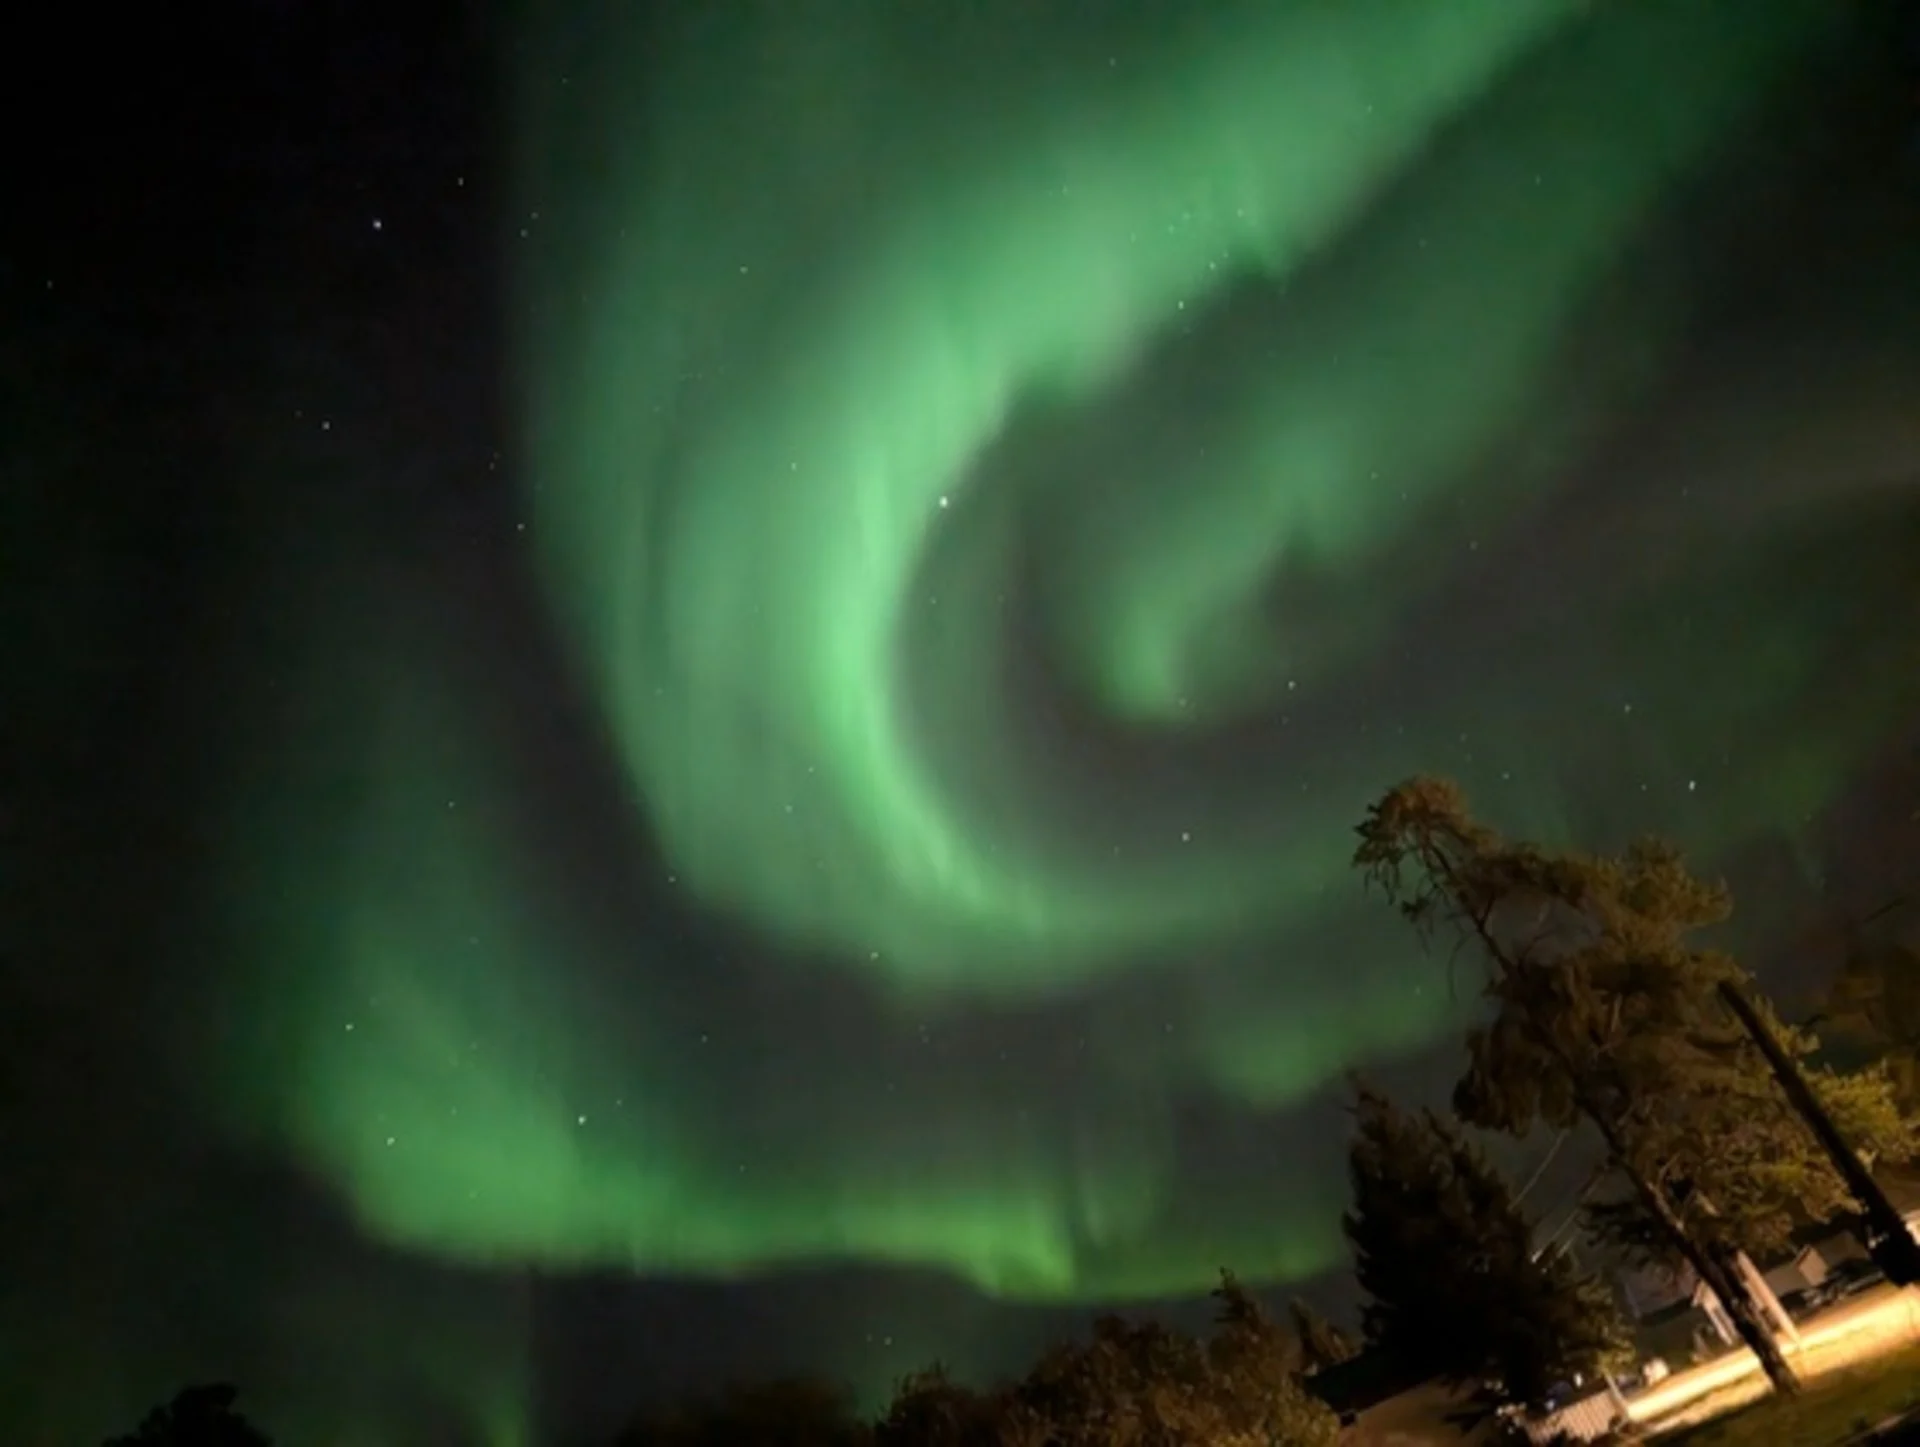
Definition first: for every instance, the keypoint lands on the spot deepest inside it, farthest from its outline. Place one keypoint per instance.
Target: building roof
(1363, 1381)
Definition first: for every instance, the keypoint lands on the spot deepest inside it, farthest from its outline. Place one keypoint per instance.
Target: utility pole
(1887, 1239)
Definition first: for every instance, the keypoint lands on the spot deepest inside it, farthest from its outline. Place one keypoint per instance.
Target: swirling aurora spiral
(782, 400)
(1002, 474)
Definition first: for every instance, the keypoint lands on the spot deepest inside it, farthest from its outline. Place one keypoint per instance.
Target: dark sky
(418, 1002)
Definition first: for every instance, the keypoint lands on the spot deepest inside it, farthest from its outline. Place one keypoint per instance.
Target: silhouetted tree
(1322, 1344)
(1604, 1010)
(1875, 1001)
(1140, 1384)
(202, 1416)
(1134, 1384)
(1247, 1345)
(790, 1412)
(931, 1409)
(1455, 1286)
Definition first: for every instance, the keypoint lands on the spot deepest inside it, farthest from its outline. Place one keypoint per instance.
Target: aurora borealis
(979, 497)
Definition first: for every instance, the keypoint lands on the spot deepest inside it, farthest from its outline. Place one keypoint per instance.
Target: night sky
(686, 685)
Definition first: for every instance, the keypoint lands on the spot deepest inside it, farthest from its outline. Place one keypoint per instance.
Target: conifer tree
(1322, 1344)
(202, 1416)
(1454, 1284)
(1605, 1010)
(1875, 1002)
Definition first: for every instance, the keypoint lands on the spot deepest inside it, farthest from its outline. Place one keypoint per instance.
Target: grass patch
(1827, 1413)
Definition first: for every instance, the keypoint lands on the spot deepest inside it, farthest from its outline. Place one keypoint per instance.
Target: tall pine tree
(1455, 1287)
(1322, 1344)
(1604, 1008)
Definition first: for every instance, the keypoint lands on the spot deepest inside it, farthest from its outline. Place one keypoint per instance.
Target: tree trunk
(1715, 1272)
(1753, 1323)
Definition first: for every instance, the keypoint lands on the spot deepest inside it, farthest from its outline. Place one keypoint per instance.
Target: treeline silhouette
(1133, 1382)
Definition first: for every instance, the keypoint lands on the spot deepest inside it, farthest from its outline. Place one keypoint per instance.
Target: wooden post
(1768, 1298)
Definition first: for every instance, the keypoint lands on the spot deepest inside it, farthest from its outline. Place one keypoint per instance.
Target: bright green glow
(752, 652)
(820, 351)
(481, 1098)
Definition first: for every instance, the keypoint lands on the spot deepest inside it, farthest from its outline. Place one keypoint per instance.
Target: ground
(1828, 1413)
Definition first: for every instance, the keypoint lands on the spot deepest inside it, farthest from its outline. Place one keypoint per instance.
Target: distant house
(1689, 1324)
(1677, 1334)
(1678, 1320)
(1646, 1291)
(1808, 1266)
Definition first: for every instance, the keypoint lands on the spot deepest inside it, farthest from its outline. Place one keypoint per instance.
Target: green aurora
(984, 473)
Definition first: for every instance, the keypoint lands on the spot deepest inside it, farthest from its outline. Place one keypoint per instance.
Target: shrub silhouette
(201, 1416)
